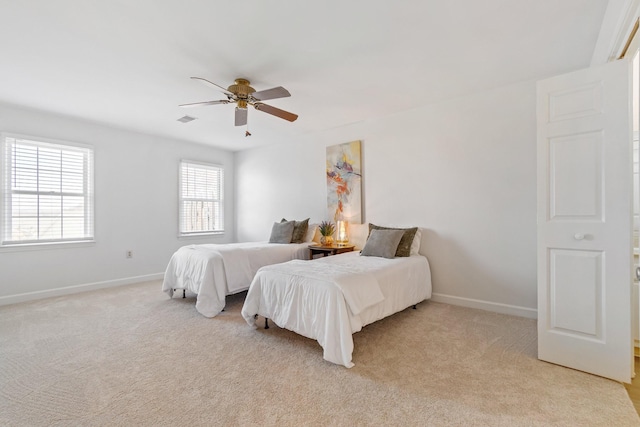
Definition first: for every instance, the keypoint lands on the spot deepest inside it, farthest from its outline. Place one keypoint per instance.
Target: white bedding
(330, 298)
(214, 271)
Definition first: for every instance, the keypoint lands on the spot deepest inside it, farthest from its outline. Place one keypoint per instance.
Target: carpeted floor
(132, 356)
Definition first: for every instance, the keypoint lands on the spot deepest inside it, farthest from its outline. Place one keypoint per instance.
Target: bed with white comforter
(213, 271)
(329, 299)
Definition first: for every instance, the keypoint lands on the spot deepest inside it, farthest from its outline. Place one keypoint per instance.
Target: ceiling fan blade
(241, 116)
(213, 85)
(275, 111)
(199, 104)
(273, 93)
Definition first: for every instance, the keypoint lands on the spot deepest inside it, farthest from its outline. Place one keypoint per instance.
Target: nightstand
(327, 250)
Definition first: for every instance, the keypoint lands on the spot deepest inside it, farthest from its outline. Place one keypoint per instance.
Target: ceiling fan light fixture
(242, 103)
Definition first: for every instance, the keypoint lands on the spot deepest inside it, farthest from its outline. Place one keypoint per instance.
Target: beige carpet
(132, 356)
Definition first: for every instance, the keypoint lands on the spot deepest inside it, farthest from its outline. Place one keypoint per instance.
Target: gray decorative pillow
(404, 247)
(299, 230)
(281, 232)
(382, 243)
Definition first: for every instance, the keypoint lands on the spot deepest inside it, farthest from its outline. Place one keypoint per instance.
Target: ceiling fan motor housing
(241, 89)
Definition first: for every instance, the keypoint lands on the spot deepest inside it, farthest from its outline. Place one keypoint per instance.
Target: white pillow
(358, 235)
(415, 245)
(311, 233)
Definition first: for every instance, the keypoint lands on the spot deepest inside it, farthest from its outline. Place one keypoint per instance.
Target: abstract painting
(344, 182)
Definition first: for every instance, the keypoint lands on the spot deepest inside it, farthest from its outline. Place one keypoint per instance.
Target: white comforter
(331, 298)
(213, 271)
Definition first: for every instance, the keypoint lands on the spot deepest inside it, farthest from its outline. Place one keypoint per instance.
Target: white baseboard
(496, 307)
(530, 313)
(30, 296)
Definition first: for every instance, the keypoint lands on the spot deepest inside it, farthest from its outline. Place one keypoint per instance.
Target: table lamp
(341, 234)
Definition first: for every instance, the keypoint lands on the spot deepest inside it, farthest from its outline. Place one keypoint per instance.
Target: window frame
(88, 192)
(203, 165)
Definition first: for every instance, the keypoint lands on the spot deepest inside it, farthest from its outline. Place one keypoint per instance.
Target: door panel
(581, 101)
(575, 292)
(585, 221)
(576, 158)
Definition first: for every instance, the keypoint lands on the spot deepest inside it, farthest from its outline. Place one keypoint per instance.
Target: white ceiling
(127, 63)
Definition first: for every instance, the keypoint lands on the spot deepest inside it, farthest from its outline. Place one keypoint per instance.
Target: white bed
(213, 271)
(329, 299)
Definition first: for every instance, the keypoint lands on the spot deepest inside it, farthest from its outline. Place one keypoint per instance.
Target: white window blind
(201, 198)
(47, 192)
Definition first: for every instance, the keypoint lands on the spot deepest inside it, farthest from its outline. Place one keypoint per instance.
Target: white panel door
(585, 221)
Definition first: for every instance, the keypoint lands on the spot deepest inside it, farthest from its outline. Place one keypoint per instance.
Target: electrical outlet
(129, 254)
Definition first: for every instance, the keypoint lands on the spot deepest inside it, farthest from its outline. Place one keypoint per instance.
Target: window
(47, 192)
(201, 199)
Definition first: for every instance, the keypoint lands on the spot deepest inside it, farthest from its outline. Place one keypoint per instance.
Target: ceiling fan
(243, 95)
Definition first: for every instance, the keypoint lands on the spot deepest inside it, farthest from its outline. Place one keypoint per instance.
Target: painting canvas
(344, 182)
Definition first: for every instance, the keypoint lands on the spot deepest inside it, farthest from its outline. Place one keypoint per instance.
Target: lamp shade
(341, 232)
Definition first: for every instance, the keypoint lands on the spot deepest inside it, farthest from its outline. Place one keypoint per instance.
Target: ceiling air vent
(186, 119)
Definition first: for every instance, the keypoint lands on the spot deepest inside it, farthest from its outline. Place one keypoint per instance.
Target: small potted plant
(326, 230)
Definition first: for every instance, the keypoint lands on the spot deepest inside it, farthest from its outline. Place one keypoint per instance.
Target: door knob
(578, 236)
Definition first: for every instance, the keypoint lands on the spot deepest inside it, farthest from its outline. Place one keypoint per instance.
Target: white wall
(464, 170)
(136, 208)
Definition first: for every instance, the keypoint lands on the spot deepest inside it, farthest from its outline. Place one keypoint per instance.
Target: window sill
(18, 247)
(200, 235)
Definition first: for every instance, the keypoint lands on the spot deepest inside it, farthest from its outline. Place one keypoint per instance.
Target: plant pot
(326, 240)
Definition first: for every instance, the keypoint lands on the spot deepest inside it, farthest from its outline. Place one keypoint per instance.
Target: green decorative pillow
(404, 247)
(299, 230)
(382, 243)
(281, 232)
